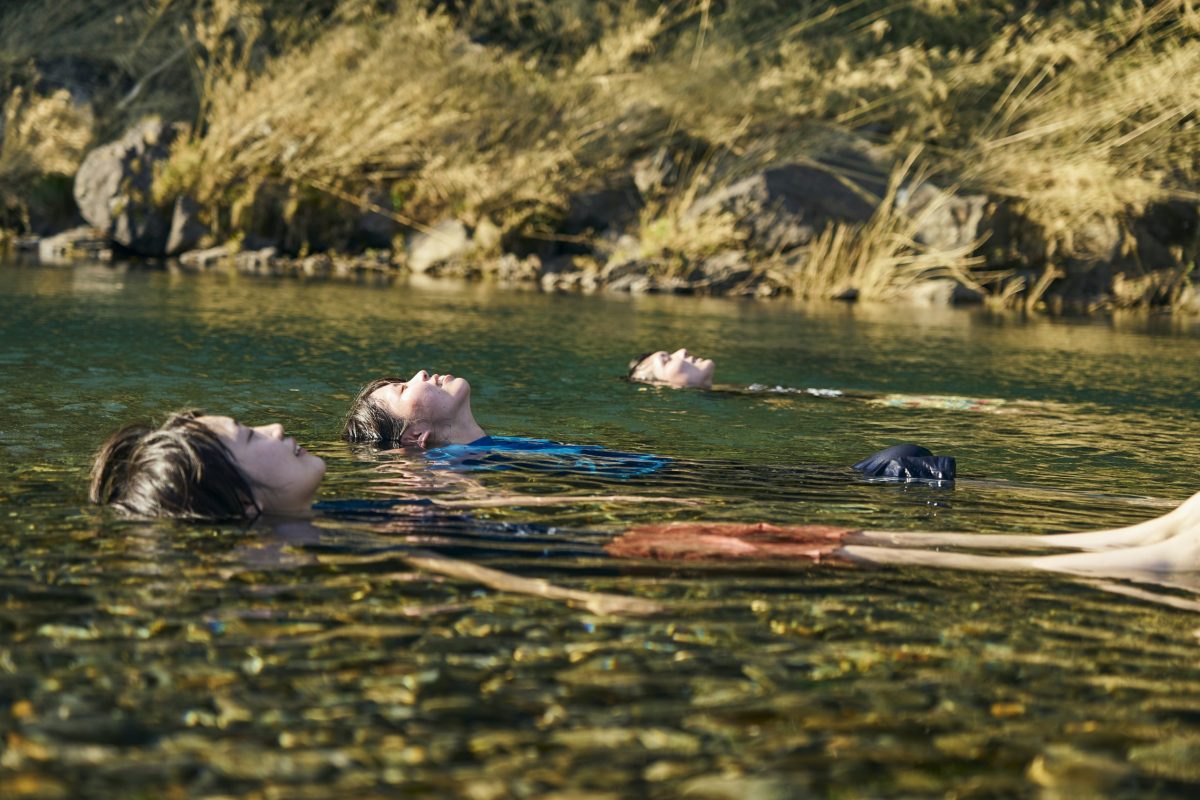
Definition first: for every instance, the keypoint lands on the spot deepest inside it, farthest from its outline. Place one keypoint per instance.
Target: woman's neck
(464, 429)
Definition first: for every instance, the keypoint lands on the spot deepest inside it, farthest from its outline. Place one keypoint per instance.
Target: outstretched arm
(1183, 522)
(932, 558)
(1181, 553)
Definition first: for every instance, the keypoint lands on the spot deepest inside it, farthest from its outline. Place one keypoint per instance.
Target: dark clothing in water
(907, 462)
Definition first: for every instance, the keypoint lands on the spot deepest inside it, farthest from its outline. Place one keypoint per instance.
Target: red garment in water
(723, 541)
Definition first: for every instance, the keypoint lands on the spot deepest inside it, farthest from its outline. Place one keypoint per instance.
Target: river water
(142, 659)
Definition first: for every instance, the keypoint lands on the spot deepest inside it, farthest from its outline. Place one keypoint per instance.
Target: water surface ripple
(312, 660)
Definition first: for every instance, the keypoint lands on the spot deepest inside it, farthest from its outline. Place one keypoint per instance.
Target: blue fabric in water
(907, 462)
(495, 453)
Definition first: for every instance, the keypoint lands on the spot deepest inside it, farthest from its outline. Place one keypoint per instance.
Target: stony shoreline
(780, 225)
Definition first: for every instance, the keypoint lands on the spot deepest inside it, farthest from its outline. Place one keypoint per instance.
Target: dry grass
(882, 259)
(1098, 128)
(42, 135)
(40, 138)
(1073, 112)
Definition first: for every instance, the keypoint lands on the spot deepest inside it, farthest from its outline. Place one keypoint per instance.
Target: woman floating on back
(685, 370)
(196, 466)
(679, 370)
(433, 412)
(208, 467)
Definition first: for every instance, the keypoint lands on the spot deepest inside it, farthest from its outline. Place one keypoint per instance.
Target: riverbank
(998, 152)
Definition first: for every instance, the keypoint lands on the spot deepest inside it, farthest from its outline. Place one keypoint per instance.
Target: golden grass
(1105, 132)
(39, 137)
(882, 259)
(1072, 113)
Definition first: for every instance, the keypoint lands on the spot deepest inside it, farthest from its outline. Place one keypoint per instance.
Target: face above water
(431, 400)
(283, 475)
(679, 370)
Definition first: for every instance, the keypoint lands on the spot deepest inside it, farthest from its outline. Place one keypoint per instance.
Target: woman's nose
(421, 375)
(681, 352)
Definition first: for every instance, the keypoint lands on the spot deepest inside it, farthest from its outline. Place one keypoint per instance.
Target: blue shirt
(494, 453)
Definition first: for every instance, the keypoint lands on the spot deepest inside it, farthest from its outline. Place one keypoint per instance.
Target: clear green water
(163, 660)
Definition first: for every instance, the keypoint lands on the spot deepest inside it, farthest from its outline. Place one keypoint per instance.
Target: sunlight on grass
(503, 110)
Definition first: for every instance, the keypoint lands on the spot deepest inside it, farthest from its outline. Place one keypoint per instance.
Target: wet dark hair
(637, 362)
(367, 421)
(180, 469)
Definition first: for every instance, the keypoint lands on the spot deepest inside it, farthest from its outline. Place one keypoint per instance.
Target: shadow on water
(316, 660)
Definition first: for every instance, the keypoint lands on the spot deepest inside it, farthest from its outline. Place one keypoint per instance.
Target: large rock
(1189, 300)
(944, 220)
(785, 207)
(186, 229)
(83, 242)
(445, 242)
(114, 190)
(723, 272)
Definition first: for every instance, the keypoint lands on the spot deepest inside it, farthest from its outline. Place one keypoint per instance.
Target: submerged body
(213, 467)
(1167, 544)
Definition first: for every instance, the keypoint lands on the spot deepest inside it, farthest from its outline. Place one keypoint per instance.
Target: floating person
(208, 467)
(204, 467)
(433, 412)
(211, 467)
(682, 369)
(1166, 544)
(679, 370)
(196, 466)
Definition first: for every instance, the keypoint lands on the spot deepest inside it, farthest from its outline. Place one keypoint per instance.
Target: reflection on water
(145, 659)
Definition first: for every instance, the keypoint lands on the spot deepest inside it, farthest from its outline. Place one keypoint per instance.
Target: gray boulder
(945, 221)
(511, 269)
(785, 207)
(624, 270)
(443, 243)
(256, 262)
(209, 258)
(723, 272)
(114, 190)
(187, 231)
(83, 242)
(1189, 300)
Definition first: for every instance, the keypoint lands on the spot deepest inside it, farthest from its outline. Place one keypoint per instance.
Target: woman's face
(680, 370)
(283, 475)
(432, 400)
